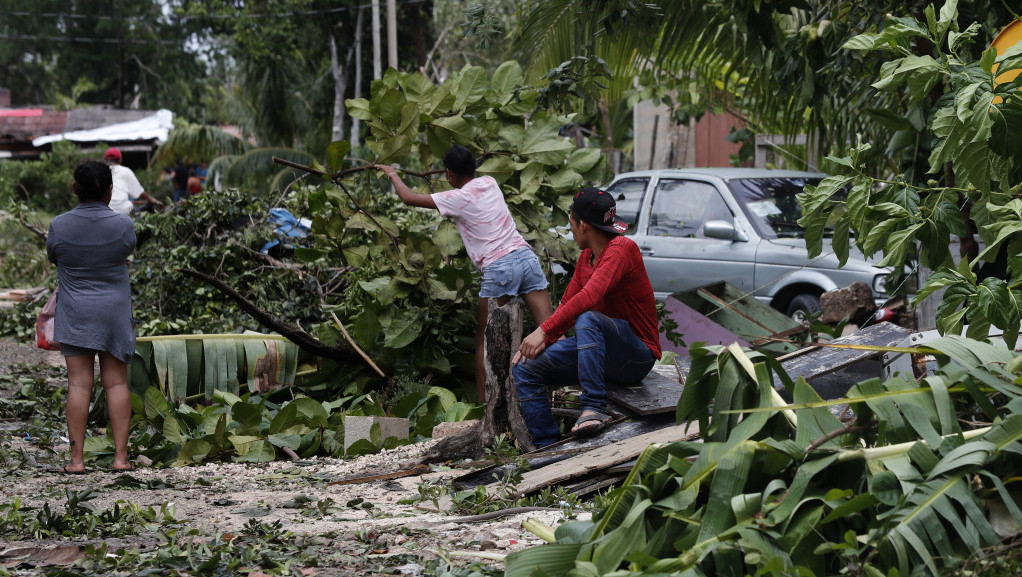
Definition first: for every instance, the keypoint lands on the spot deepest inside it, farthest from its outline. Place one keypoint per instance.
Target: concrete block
(359, 427)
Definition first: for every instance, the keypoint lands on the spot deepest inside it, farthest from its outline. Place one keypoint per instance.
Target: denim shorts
(513, 274)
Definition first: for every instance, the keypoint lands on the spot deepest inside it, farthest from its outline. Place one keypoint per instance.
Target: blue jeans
(603, 350)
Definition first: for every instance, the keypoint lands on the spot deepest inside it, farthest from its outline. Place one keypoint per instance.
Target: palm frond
(258, 164)
(199, 141)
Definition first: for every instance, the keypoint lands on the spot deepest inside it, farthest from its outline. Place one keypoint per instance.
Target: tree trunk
(355, 124)
(392, 34)
(340, 75)
(419, 33)
(503, 413)
(377, 56)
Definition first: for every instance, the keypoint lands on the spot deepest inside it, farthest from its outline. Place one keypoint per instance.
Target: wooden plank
(682, 365)
(622, 467)
(822, 360)
(566, 449)
(593, 484)
(596, 460)
(657, 393)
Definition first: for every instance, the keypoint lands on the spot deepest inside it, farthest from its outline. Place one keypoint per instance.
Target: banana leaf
(188, 367)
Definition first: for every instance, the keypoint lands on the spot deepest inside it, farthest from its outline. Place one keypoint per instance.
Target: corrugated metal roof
(98, 116)
(21, 125)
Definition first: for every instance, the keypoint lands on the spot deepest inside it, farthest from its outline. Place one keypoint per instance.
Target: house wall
(660, 143)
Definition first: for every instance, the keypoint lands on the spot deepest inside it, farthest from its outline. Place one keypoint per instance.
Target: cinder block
(358, 427)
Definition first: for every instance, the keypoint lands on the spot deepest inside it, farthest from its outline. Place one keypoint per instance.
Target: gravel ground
(223, 498)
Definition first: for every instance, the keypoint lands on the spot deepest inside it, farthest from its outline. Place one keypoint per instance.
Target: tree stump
(503, 336)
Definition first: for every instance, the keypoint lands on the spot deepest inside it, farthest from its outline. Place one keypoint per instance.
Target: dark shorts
(73, 351)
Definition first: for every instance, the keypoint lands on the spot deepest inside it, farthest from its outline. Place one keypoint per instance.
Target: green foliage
(970, 168)
(44, 184)
(220, 235)
(415, 306)
(80, 518)
(187, 552)
(785, 490)
(246, 429)
(36, 408)
(130, 55)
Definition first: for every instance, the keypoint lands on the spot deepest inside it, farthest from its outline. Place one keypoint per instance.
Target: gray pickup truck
(702, 225)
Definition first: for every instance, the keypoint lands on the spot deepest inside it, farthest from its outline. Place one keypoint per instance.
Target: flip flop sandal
(64, 471)
(589, 425)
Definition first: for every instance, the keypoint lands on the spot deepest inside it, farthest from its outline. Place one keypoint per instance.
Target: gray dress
(90, 245)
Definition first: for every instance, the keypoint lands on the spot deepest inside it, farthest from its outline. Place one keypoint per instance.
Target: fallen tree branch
(355, 346)
(498, 514)
(850, 427)
(31, 227)
(305, 341)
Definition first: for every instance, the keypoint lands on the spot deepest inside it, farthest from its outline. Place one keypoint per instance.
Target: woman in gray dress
(90, 245)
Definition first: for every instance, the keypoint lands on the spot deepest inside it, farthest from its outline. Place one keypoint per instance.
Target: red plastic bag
(44, 325)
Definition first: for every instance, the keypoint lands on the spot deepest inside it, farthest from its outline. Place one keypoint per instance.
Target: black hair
(459, 161)
(94, 180)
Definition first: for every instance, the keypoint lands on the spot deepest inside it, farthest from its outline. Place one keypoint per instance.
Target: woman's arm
(407, 195)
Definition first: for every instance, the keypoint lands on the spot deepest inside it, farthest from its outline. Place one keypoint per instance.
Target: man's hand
(531, 346)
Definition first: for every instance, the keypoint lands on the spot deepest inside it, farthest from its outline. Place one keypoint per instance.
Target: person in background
(510, 267)
(180, 179)
(610, 304)
(202, 171)
(127, 188)
(194, 182)
(90, 245)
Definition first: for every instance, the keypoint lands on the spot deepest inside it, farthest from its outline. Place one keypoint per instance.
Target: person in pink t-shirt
(510, 267)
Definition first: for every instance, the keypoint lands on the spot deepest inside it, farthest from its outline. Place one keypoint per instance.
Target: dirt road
(354, 529)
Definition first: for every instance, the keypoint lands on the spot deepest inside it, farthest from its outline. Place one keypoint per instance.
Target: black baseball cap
(598, 208)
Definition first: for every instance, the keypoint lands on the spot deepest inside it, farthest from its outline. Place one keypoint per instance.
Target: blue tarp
(287, 226)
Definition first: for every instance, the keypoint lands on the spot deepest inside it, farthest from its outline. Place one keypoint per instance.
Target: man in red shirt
(610, 303)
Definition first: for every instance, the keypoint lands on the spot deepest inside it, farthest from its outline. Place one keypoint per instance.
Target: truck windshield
(770, 204)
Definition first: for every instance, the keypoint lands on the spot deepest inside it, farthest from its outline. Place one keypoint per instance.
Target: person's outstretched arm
(407, 195)
(151, 198)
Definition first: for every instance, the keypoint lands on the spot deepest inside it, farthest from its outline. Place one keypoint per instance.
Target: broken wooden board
(381, 475)
(594, 464)
(597, 459)
(566, 449)
(595, 483)
(657, 393)
(832, 370)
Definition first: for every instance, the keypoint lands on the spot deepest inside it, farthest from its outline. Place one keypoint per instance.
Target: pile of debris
(644, 414)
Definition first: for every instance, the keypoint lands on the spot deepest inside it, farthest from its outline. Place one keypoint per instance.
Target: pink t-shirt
(483, 220)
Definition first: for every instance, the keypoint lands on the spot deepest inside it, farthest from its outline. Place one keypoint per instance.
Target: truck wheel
(803, 306)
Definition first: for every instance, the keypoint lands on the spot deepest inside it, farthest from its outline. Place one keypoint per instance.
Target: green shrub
(43, 184)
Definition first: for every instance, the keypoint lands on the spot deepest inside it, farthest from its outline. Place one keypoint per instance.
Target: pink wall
(712, 147)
